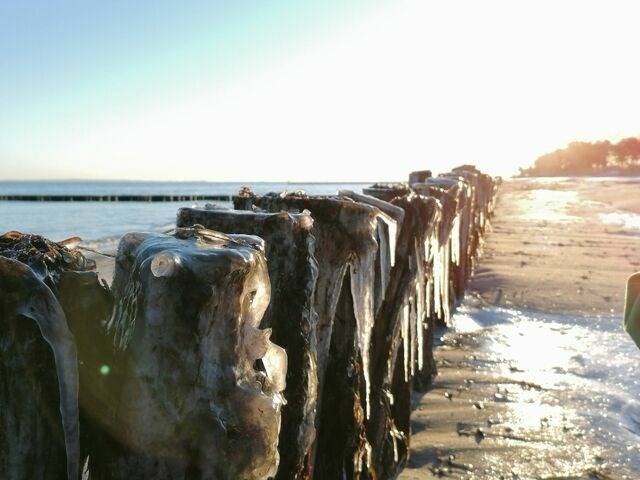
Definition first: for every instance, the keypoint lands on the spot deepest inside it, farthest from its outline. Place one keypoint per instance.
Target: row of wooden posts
(281, 339)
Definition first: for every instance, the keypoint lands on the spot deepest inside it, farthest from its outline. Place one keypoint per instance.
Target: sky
(331, 90)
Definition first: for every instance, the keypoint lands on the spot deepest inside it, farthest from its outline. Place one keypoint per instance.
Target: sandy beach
(499, 407)
(563, 256)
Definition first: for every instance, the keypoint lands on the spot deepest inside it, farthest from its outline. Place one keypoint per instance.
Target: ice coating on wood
(456, 253)
(435, 244)
(405, 338)
(275, 364)
(421, 303)
(474, 193)
(161, 376)
(53, 325)
(293, 271)
(436, 272)
(434, 256)
(23, 293)
(362, 281)
(191, 397)
(164, 264)
(346, 244)
(392, 225)
(398, 314)
(445, 190)
(389, 214)
(389, 219)
(26, 262)
(345, 236)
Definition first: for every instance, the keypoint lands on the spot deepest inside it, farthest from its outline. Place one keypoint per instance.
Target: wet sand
(485, 417)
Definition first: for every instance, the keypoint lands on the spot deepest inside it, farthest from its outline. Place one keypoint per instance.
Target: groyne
(280, 339)
(113, 198)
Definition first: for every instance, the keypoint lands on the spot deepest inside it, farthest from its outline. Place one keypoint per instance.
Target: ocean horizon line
(225, 182)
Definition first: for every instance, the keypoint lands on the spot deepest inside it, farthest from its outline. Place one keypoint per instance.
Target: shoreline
(484, 417)
(563, 260)
(487, 417)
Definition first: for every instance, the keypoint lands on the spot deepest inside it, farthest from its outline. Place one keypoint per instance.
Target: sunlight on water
(549, 205)
(535, 347)
(571, 376)
(626, 221)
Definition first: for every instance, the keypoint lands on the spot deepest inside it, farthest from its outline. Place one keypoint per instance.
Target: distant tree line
(585, 158)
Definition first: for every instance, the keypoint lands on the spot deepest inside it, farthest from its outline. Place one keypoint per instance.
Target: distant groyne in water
(114, 198)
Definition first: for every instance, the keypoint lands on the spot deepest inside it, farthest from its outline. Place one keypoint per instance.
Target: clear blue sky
(314, 90)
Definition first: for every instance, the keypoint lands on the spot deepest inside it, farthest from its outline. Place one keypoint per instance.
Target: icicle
(456, 253)
(362, 285)
(430, 295)
(413, 331)
(446, 290)
(420, 291)
(427, 248)
(429, 280)
(391, 213)
(45, 310)
(419, 334)
(392, 225)
(437, 276)
(405, 338)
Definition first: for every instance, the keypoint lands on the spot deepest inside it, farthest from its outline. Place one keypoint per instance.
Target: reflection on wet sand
(549, 205)
(529, 396)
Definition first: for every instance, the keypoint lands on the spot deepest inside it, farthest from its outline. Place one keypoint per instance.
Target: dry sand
(560, 257)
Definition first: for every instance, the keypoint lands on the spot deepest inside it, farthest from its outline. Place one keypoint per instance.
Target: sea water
(105, 222)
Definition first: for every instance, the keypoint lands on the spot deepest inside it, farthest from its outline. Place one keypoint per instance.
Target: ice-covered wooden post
(445, 248)
(293, 271)
(199, 385)
(401, 343)
(481, 202)
(347, 248)
(39, 419)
